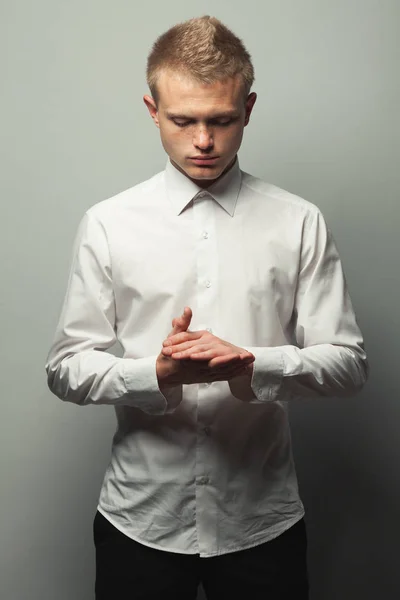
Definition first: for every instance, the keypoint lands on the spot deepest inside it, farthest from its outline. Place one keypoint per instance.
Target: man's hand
(176, 371)
(202, 345)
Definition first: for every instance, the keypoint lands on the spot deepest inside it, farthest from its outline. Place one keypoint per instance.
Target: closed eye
(222, 122)
(213, 122)
(181, 123)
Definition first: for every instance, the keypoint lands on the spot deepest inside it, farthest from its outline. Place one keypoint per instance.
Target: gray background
(74, 131)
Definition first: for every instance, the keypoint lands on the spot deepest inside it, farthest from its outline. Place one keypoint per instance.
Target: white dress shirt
(200, 470)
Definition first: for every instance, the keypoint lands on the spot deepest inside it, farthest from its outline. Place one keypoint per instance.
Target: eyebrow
(220, 115)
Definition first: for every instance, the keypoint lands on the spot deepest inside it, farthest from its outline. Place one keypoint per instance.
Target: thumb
(181, 323)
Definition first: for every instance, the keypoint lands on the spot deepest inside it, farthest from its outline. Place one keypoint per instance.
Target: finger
(248, 357)
(187, 348)
(186, 318)
(196, 351)
(208, 353)
(202, 354)
(190, 348)
(182, 337)
(231, 358)
(182, 323)
(198, 357)
(219, 361)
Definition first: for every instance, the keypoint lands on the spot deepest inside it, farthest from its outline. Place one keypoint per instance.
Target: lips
(204, 160)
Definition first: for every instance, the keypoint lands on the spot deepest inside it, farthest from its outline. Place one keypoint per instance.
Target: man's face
(201, 125)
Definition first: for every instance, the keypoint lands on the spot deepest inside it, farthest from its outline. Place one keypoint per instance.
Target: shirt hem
(262, 540)
(259, 541)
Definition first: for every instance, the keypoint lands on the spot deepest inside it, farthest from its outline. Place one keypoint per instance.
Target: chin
(205, 176)
(201, 173)
(204, 173)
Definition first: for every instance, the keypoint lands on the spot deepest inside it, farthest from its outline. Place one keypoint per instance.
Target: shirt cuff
(141, 383)
(268, 369)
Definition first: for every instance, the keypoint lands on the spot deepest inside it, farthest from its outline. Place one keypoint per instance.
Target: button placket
(207, 288)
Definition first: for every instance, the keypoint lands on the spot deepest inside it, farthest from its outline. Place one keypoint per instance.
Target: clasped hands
(199, 356)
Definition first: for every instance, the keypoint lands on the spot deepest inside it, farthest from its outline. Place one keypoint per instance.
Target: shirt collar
(181, 190)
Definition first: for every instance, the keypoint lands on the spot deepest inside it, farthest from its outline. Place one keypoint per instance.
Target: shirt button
(205, 235)
(208, 284)
(207, 384)
(207, 430)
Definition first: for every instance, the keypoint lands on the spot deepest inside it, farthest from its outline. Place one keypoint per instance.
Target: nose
(203, 138)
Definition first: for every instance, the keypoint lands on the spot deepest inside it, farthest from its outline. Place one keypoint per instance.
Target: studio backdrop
(74, 131)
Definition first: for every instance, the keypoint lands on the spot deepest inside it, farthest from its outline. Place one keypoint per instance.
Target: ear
(250, 102)
(152, 108)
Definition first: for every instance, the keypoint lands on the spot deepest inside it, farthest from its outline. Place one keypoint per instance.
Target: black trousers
(127, 570)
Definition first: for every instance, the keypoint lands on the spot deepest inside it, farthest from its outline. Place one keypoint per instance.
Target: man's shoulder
(277, 196)
(128, 198)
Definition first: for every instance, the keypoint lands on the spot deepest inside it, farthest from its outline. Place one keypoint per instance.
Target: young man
(201, 486)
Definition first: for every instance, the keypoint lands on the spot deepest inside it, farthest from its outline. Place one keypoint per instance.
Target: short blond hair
(202, 48)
